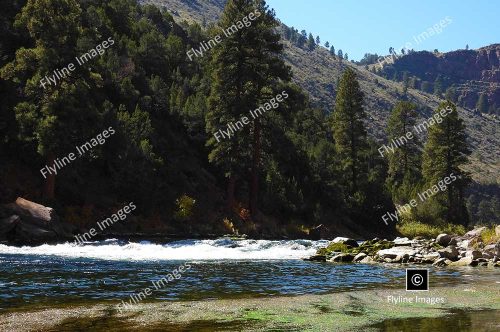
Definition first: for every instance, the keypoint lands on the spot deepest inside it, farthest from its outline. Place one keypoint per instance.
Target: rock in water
(465, 261)
(475, 254)
(342, 258)
(450, 252)
(359, 257)
(443, 239)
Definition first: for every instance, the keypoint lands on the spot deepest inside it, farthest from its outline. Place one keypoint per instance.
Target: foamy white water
(220, 249)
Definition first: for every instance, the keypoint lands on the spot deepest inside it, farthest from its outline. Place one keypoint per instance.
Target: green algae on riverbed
(342, 311)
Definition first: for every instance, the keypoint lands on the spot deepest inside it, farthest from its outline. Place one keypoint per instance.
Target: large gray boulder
(32, 223)
(396, 252)
(450, 252)
(347, 241)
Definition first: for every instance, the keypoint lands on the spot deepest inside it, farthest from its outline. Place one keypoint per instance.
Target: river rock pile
(444, 250)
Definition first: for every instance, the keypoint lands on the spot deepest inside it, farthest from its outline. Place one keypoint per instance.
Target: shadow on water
(456, 321)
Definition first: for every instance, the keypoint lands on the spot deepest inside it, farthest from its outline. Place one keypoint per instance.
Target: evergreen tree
(318, 41)
(482, 103)
(332, 50)
(445, 153)
(404, 163)
(451, 94)
(346, 56)
(327, 45)
(50, 115)
(349, 131)
(246, 70)
(310, 42)
(340, 54)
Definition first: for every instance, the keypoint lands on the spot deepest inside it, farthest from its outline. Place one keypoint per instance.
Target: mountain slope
(317, 72)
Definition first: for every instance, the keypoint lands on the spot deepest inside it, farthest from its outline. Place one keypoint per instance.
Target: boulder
(316, 258)
(359, 257)
(443, 239)
(450, 252)
(475, 254)
(8, 225)
(347, 241)
(28, 208)
(342, 258)
(32, 223)
(441, 262)
(476, 232)
(403, 241)
(394, 252)
(430, 258)
(493, 249)
(367, 260)
(465, 261)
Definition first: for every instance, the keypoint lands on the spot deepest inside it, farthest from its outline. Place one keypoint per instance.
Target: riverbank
(476, 307)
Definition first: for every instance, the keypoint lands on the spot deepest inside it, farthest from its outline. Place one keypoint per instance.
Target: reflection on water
(457, 321)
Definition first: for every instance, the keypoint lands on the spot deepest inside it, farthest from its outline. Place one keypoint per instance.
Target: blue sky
(359, 27)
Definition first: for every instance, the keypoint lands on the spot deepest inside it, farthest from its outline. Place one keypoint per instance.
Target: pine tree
(340, 54)
(310, 42)
(246, 70)
(49, 115)
(332, 50)
(445, 153)
(482, 103)
(318, 41)
(349, 131)
(404, 163)
(327, 45)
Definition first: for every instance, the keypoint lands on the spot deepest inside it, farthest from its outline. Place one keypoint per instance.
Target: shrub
(185, 207)
(489, 236)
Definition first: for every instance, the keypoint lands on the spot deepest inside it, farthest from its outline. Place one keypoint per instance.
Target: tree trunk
(254, 184)
(231, 186)
(50, 181)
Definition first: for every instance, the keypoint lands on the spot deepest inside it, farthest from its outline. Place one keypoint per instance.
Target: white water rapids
(220, 249)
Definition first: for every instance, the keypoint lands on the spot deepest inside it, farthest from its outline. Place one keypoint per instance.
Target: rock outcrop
(28, 223)
(445, 250)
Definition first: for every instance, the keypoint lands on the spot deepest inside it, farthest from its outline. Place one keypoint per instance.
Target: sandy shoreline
(343, 311)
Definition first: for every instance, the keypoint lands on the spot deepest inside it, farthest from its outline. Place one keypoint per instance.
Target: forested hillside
(117, 81)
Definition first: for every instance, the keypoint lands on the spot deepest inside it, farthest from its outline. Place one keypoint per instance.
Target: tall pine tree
(404, 163)
(349, 131)
(445, 153)
(246, 71)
